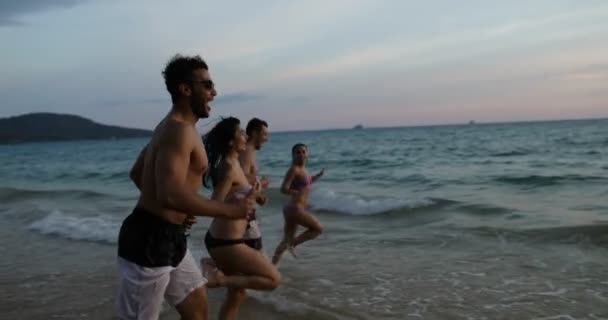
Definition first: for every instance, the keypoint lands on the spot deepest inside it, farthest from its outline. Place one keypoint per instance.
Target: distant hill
(34, 127)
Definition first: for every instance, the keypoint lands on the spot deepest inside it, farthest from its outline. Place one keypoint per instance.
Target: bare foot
(208, 261)
(276, 258)
(214, 276)
(292, 251)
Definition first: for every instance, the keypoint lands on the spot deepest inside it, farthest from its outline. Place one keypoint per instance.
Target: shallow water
(502, 221)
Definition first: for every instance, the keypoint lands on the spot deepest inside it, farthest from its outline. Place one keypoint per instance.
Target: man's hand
(190, 220)
(261, 199)
(264, 182)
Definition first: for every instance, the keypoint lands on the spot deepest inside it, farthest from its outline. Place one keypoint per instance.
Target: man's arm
(138, 168)
(247, 161)
(172, 163)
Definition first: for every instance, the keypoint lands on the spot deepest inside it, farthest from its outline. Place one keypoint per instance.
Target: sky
(314, 64)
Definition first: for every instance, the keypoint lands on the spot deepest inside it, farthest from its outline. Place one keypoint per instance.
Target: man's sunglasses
(208, 84)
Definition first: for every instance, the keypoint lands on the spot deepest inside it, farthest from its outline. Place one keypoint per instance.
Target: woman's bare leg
(253, 268)
(194, 306)
(223, 277)
(230, 307)
(289, 233)
(306, 219)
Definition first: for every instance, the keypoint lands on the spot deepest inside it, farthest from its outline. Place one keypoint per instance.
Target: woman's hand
(318, 175)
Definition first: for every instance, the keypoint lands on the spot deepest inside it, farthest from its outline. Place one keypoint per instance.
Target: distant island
(358, 127)
(35, 127)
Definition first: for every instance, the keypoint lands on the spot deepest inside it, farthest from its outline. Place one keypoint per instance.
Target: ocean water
(487, 221)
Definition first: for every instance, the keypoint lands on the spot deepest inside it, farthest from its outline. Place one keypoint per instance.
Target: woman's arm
(224, 183)
(318, 175)
(287, 180)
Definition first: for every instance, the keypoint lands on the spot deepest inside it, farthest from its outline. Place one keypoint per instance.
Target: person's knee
(318, 230)
(275, 280)
(240, 294)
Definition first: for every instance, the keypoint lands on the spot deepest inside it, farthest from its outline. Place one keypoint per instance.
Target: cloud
(222, 99)
(8, 21)
(282, 25)
(10, 10)
(448, 46)
(133, 101)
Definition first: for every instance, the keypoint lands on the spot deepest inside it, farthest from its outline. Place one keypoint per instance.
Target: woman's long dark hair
(217, 145)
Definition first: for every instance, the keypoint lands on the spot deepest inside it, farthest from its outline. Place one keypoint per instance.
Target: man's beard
(199, 112)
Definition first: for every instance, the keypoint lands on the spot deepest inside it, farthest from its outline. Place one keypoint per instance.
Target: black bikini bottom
(211, 242)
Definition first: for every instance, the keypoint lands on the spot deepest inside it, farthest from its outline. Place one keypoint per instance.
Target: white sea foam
(101, 228)
(327, 199)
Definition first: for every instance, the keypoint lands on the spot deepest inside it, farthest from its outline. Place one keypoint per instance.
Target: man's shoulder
(175, 132)
(174, 126)
(247, 155)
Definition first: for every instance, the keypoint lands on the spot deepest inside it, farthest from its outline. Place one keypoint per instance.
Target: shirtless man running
(154, 262)
(257, 135)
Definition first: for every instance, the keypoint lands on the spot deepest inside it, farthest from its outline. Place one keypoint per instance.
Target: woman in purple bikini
(296, 184)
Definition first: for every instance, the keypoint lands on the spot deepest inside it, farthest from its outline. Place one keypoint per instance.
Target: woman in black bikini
(297, 185)
(242, 266)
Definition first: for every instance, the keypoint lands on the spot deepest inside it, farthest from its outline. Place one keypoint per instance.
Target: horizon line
(447, 124)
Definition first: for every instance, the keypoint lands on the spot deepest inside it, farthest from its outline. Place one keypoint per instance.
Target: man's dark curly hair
(255, 125)
(179, 70)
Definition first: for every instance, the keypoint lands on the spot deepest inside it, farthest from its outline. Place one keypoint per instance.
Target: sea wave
(117, 176)
(293, 303)
(483, 209)
(540, 180)
(512, 153)
(596, 233)
(17, 194)
(100, 228)
(329, 200)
